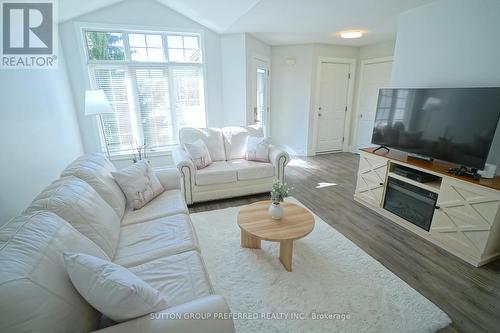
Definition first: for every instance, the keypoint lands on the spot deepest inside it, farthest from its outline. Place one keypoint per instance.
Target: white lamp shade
(96, 103)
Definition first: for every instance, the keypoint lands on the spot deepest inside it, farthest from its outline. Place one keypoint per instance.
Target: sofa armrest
(170, 178)
(209, 314)
(188, 172)
(279, 158)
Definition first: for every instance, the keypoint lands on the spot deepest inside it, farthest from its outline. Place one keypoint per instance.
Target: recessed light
(349, 34)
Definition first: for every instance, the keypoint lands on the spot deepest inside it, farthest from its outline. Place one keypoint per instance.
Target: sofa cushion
(211, 136)
(139, 183)
(96, 170)
(81, 206)
(35, 291)
(112, 289)
(153, 239)
(168, 203)
(216, 173)
(252, 170)
(235, 140)
(180, 278)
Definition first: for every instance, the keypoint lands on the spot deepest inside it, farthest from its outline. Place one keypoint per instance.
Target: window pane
(154, 41)
(155, 115)
(192, 55)
(191, 42)
(189, 96)
(138, 54)
(118, 127)
(175, 42)
(105, 45)
(176, 55)
(137, 40)
(155, 55)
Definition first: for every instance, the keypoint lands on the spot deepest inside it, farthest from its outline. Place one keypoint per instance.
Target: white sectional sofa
(85, 211)
(230, 174)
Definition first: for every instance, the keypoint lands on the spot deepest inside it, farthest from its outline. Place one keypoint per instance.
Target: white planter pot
(276, 211)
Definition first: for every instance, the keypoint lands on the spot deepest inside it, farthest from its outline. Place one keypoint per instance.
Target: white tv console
(466, 221)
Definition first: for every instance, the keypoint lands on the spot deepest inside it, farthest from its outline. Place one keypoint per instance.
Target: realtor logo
(28, 34)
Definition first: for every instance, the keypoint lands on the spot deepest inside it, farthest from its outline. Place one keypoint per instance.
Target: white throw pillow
(139, 183)
(199, 154)
(112, 289)
(258, 149)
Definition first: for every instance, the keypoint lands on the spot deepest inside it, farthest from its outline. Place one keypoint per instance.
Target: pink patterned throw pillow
(139, 184)
(258, 149)
(199, 153)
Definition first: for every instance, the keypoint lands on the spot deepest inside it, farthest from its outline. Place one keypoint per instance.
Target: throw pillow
(139, 183)
(112, 289)
(258, 149)
(199, 154)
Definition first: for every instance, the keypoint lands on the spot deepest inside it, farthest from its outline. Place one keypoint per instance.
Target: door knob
(320, 114)
(319, 108)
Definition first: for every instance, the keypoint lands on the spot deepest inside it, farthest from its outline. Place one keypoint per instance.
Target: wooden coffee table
(256, 225)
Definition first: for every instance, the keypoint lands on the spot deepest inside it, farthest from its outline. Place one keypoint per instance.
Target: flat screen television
(451, 124)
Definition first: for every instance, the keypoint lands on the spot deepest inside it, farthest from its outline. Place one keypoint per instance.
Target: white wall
(450, 43)
(291, 96)
(380, 50)
(293, 92)
(238, 53)
(148, 14)
(234, 79)
(38, 131)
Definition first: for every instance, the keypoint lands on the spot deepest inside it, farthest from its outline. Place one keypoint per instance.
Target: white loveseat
(230, 174)
(85, 211)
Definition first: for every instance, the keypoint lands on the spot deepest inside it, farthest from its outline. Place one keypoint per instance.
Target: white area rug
(330, 276)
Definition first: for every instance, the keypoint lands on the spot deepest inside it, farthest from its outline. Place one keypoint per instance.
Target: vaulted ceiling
(279, 22)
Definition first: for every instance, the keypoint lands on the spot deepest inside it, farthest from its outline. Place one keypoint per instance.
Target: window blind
(153, 97)
(154, 107)
(118, 127)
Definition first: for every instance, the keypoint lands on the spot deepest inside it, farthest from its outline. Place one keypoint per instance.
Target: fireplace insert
(412, 203)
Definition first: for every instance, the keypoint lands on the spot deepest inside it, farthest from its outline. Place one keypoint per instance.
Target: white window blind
(152, 97)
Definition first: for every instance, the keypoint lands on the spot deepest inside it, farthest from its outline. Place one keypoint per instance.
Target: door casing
(350, 93)
(356, 113)
(261, 62)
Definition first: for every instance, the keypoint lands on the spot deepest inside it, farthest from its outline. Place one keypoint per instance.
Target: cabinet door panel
(371, 178)
(465, 217)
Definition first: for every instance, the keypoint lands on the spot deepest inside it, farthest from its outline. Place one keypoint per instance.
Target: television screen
(451, 124)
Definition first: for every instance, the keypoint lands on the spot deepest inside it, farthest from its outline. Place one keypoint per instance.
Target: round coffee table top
(296, 222)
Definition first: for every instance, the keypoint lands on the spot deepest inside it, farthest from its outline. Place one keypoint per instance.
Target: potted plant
(278, 194)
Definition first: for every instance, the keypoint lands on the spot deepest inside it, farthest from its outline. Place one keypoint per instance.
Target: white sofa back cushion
(96, 170)
(235, 140)
(211, 136)
(112, 289)
(81, 206)
(35, 291)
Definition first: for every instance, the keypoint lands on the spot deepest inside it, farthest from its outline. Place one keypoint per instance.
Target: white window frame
(88, 66)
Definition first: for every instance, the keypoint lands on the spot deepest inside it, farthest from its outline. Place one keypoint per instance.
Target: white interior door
(260, 96)
(332, 106)
(374, 75)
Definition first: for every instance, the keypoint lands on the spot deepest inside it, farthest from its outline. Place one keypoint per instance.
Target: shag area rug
(334, 286)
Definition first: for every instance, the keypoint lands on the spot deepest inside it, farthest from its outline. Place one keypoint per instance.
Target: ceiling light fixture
(349, 34)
